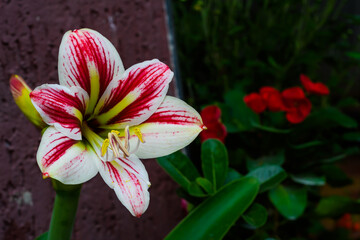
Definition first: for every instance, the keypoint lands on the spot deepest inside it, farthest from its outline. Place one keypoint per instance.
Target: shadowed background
(30, 35)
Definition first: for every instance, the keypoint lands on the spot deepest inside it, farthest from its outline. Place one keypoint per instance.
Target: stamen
(127, 137)
(136, 147)
(104, 147)
(122, 148)
(113, 145)
(139, 134)
(116, 144)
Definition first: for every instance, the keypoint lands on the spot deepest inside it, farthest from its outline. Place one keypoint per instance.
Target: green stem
(64, 212)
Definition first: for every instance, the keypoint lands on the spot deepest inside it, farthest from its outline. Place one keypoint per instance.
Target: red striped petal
(130, 182)
(135, 97)
(65, 159)
(172, 127)
(88, 60)
(60, 107)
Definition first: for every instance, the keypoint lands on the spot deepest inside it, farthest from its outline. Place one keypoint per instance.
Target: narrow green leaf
(256, 216)
(205, 184)
(180, 168)
(213, 218)
(273, 63)
(309, 179)
(269, 176)
(270, 129)
(214, 159)
(43, 236)
(333, 159)
(290, 202)
(307, 145)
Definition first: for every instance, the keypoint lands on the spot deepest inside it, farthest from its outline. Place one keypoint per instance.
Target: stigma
(120, 145)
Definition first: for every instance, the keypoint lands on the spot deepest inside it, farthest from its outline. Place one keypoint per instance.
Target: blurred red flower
(297, 106)
(211, 119)
(255, 102)
(314, 88)
(272, 98)
(345, 221)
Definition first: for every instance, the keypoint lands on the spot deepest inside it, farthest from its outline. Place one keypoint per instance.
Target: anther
(139, 134)
(104, 147)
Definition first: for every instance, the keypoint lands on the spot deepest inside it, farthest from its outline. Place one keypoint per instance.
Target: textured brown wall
(30, 34)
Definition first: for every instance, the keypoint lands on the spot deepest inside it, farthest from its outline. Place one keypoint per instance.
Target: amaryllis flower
(314, 88)
(298, 107)
(103, 119)
(255, 102)
(272, 98)
(214, 128)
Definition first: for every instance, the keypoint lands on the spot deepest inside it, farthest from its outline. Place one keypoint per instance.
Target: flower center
(119, 145)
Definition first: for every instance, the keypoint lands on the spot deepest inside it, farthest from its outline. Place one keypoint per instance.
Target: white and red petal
(88, 60)
(65, 159)
(130, 182)
(60, 107)
(172, 127)
(135, 97)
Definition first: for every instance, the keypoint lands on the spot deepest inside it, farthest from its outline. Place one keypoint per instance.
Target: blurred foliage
(230, 48)
(249, 43)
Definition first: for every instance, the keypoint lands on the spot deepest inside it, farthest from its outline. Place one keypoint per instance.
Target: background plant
(228, 49)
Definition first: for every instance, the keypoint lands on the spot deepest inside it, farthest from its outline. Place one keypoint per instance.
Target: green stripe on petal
(126, 101)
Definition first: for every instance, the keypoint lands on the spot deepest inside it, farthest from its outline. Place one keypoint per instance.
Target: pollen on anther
(104, 147)
(139, 134)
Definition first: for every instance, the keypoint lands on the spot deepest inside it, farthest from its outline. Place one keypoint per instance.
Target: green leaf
(205, 184)
(236, 115)
(335, 206)
(354, 55)
(290, 202)
(270, 129)
(180, 168)
(268, 176)
(232, 175)
(352, 137)
(213, 218)
(309, 179)
(43, 236)
(307, 145)
(348, 102)
(277, 159)
(256, 215)
(334, 115)
(273, 63)
(335, 176)
(214, 160)
(195, 190)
